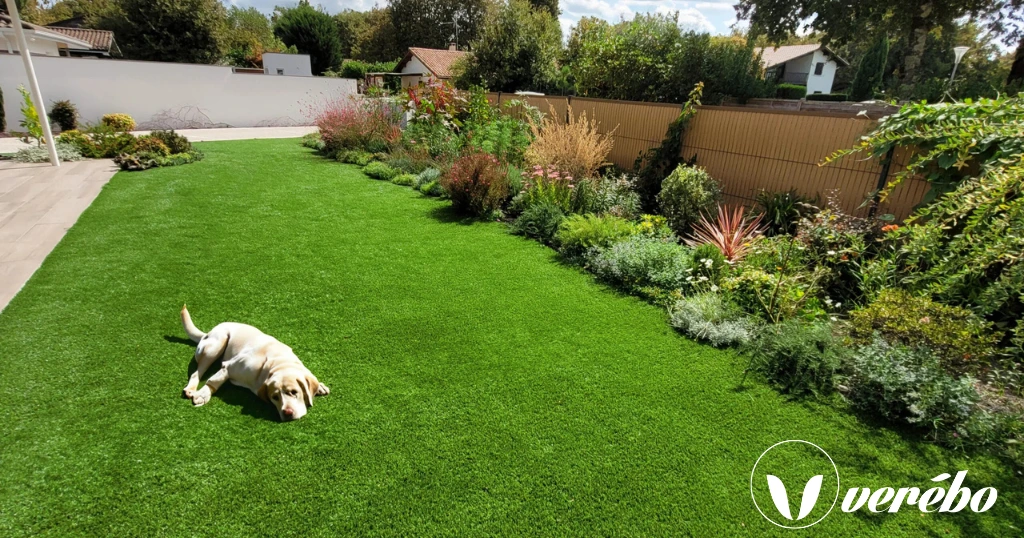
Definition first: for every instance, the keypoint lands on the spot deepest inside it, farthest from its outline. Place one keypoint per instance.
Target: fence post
(568, 108)
(883, 178)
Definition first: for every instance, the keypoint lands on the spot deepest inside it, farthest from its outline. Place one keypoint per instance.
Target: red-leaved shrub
(348, 122)
(477, 184)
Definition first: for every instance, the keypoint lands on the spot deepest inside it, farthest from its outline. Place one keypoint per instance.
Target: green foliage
(30, 117)
(517, 49)
(151, 144)
(709, 262)
(3, 114)
(186, 31)
(430, 175)
(790, 91)
(775, 282)
(614, 195)
(662, 62)
(783, 210)
(78, 139)
(175, 142)
(968, 239)
(40, 154)
(653, 165)
(108, 142)
(146, 160)
(432, 188)
(710, 318)
(428, 23)
(356, 157)
(797, 357)
(504, 137)
(643, 264)
(118, 122)
(577, 234)
(870, 72)
(685, 194)
(247, 35)
(540, 221)
(65, 115)
(909, 385)
(313, 141)
(357, 69)
(379, 170)
(312, 32)
(961, 340)
(404, 179)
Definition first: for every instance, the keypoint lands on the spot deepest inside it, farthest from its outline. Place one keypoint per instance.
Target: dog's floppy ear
(310, 388)
(262, 393)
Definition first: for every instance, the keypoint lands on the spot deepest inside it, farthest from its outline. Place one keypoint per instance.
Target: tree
(517, 50)
(350, 23)
(167, 30)
(375, 39)
(247, 36)
(871, 70)
(550, 5)
(1007, 20)
(311, 32)
(843, 22)
(44, 12)
(431, 23)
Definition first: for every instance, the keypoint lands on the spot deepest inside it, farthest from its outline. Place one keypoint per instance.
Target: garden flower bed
(914, 323)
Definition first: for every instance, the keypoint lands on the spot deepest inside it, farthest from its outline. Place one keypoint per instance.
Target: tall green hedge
(790, 91)
(3, 116)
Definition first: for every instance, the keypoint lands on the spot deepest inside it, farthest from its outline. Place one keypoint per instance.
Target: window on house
(280, 71)
(819, 67)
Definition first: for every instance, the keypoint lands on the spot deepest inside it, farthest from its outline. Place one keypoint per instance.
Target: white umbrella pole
(30, 71)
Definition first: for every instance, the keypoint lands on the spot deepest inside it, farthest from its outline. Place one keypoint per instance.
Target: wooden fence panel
(751, 149)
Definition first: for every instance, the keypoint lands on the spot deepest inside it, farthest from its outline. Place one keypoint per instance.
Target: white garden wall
(168, 95)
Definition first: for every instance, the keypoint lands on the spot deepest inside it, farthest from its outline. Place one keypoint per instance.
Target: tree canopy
(186, 31)
(311, 32)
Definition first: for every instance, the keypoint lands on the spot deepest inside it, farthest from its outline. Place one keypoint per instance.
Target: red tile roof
(438, 61)
(101, 40)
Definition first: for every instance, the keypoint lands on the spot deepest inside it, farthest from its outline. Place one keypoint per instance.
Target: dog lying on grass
(254, 360)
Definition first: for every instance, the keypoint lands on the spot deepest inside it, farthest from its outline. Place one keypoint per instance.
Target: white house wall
(169, 95)
(414, 66)
(821, 83)
(296, 65)
(38, 46)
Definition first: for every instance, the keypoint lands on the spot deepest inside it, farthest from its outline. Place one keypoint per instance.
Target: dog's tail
(186, 321)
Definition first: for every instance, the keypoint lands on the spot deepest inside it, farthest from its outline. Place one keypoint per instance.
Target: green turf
(479, 387)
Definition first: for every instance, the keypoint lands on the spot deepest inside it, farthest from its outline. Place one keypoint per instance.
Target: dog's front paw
(200, 397)
(186, 393)
(322, 390)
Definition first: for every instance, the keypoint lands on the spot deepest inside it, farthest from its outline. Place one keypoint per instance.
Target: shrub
(432, 188)
(710, 318)
(65, 115)
(539, 221)
(146, 160)
(30, 116)
(834, 97)
(732, 233)
(313, 141)
(505, 137)
(40, 154)
(576, 148)
(709, 262)
(119, 122)
(790, 91)
(579, 233)
(3, 115)
(836, 243)
(379, 170)
(356, 123)
(175, 142)
(78, 139)
(109, 143)
(151, 144)
(411, 162)
(430, 175)
(615, 195)
(909, 385)
(477, 184)
(685, 194)
(773, 281)
(783, 210)
(357, 157)
(404, 179)
(955, 335)
(797, 357)
(642, 262)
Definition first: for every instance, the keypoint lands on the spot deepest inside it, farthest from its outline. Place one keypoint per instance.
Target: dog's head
(291, 391)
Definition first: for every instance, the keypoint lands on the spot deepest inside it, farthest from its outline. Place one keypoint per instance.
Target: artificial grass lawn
(478, 386)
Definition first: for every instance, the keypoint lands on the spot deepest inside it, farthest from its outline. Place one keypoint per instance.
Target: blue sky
(710, 15)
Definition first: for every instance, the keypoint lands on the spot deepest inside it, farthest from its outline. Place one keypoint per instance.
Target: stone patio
(38, 203)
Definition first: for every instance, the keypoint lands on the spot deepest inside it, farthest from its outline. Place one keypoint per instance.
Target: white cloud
(693, 18)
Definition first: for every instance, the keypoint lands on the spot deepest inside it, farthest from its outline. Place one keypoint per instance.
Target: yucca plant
(732, 232)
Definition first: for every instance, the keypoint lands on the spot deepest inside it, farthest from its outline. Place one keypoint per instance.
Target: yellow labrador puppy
(254, 360)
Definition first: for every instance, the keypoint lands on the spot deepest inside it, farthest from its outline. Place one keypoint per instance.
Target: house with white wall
(295, 65)
(813, 66)
(42, 41)
(421, 65)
